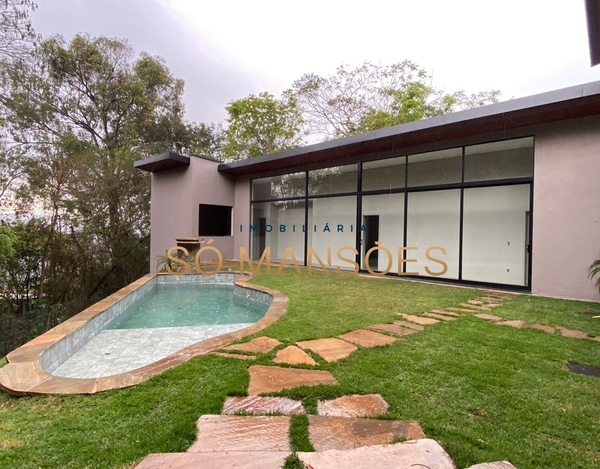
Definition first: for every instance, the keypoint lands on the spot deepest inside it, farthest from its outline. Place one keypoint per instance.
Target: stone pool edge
(24, 375)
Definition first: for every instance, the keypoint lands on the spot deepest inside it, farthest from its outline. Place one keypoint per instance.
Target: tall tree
(260, 125)
(16, 32)
(371, 96)
(86, 110)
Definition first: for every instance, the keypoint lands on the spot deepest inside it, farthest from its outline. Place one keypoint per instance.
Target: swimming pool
(172, 313)
(193, 304)
(29, 368)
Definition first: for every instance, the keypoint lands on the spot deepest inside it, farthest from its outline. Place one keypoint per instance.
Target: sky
(225, 50)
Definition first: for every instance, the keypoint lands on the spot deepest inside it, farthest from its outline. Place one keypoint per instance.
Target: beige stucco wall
(566, 211)
(175, 197)
(241, 216)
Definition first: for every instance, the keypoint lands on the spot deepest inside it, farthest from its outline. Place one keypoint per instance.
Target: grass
(486, 392)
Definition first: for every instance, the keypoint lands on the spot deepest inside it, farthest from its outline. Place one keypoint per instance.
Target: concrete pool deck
(24, 373)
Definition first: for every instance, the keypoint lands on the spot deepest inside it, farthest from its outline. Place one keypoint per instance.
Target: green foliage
(77, 115)
(16, 32)
(372, 96)
(86, 110)
(163, 261)
(261, 125)
(594, 272)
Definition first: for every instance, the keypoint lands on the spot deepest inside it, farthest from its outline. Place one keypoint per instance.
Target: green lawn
(486, 392)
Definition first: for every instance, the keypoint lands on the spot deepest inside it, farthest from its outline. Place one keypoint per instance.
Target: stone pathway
(344, 433)
(519, 324)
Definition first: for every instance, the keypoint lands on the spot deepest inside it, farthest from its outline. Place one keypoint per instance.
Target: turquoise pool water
(189, 305)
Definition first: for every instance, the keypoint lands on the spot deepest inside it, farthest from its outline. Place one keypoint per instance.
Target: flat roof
(162, 162)
(567, 103)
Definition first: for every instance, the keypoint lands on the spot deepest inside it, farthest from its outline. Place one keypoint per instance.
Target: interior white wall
(290, 215)
(494, 234)
(332, 212)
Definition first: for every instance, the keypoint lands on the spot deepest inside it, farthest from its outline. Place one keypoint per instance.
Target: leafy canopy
(371, 96)
(260, 125)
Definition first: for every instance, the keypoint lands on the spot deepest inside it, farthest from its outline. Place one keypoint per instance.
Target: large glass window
(426, 239)
(433, 222)
(499, 160)
(384, 174)
(436, 167)
(496, 234)
(334, 180)
(332, 224)
(278, 225)
(279, 187)
(383, 222)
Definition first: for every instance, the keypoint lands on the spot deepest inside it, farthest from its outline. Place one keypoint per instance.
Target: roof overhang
(162, 162)
(568, 103)
(592, 8)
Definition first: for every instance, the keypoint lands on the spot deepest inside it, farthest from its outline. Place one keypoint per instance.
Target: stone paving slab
(261, 344)
(393, 329)
(472, 306)
(220, 460)
(491, 299)
(464, 310)
(439, 316)
(489, 317)
(493, 465)
(503, 294)
(410, 325)
(518, 323)
(541, 327)
(237, 356)
(573, 334)
(366, 338)
(419, 454)
(369, 405)
(293, 355)
(262, 405)
(446, 313)
(419, 319)
(220, 433)
(331, 349)
(342, 433)
(273, 378)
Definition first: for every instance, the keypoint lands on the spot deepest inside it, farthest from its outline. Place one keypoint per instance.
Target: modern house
(506, 195)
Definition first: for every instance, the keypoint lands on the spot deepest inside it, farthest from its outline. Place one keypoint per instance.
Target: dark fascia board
(162, 162)
(541, 108)
(592, 8)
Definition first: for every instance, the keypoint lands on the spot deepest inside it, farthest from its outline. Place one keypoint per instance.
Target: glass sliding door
(383, 222)
(496, 234)
(433, 221)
